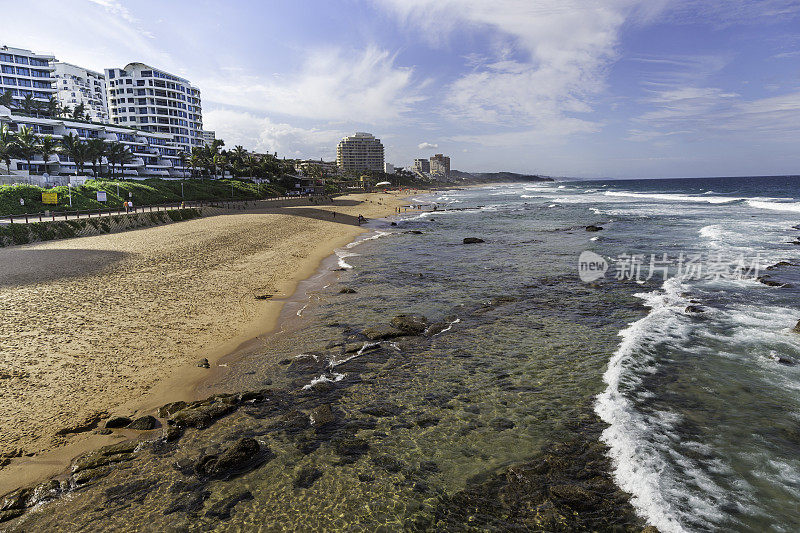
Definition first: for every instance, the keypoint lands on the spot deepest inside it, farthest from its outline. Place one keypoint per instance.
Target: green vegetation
(15, 234)
(144, 192)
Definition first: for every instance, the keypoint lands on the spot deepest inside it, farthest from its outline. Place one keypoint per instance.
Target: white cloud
(550, 58)
(427, 146)
(263, 135)
(365, 86)
(700, 112)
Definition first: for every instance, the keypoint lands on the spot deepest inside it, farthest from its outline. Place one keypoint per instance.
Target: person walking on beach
(361, 219)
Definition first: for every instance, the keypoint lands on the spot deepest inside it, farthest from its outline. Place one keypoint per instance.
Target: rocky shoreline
(566, 488)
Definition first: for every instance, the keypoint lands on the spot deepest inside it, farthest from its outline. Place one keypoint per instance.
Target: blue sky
(591, 88)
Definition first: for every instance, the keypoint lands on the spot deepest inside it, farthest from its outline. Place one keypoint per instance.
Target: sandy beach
(116, 324)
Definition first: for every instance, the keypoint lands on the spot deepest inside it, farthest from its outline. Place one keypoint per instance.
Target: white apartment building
(440, 165)
(154, 154)
(24, 73)
(388, 168)
(151, 100)
(209, 137)
(77, 85)
(361, 151)
(422, 165)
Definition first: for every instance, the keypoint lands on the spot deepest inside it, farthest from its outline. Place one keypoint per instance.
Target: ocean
(664, 390)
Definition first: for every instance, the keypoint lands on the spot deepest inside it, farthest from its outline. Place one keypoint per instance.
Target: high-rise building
(77, 85)
(154, 154)
(440, 165)
(361, 151)
(143, 97)
(209, 137)
(388, 168)
(422, 165)
(24, 73)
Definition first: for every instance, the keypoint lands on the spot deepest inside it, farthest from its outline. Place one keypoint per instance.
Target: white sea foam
(342, 254)
(333, 377)
(639, 442)
(675, 197)
(712, 232)
(793, 207)
(377, 235)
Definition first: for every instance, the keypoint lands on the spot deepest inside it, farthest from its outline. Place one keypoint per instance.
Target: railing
(52, 216)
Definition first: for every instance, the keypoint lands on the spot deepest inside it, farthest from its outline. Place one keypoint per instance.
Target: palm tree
(219, 161)
(28, 105)
(52, 107)
(123, 158)
(79, 112)
(7, 99)
(47, 147)
(65, 111)
(76, 149)
(97, 149)
(196, 160)
(7, 145)
(26, 145)
(183, 157)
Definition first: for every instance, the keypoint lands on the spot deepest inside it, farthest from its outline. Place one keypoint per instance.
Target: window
(9, 81)
(22, 60)
(39, 63)
(23, 71)
(8, 58)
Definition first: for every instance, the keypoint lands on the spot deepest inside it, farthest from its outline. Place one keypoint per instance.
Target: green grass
(145, 192)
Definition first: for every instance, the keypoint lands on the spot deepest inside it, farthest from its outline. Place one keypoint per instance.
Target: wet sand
(116, 324)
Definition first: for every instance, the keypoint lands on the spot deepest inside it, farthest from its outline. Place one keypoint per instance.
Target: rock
(321, 415)
(592, 227)
(44, 492)
(117, 422)
(202, 416)
(306, 477)
(222, 509)
(378, 333)
(393, 224)
(16, 500)
(410, 324)
(306, 364)
(349, 449)
(472, 240)
(413, 232)
(85, 476)
(171, 433)
(203, 363)
(103, 431)
(436, 328)
(10, 514)
(87, 424)
(235, 459)
(695, 309)
(388, 463)
(650, 529)
(145, 423)
(347, 290)
(188, 502)
(784, 361)
(770, 282)
(167, 409)
(500, 424)
(263, 296)
(426, 421)
(796, 328)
